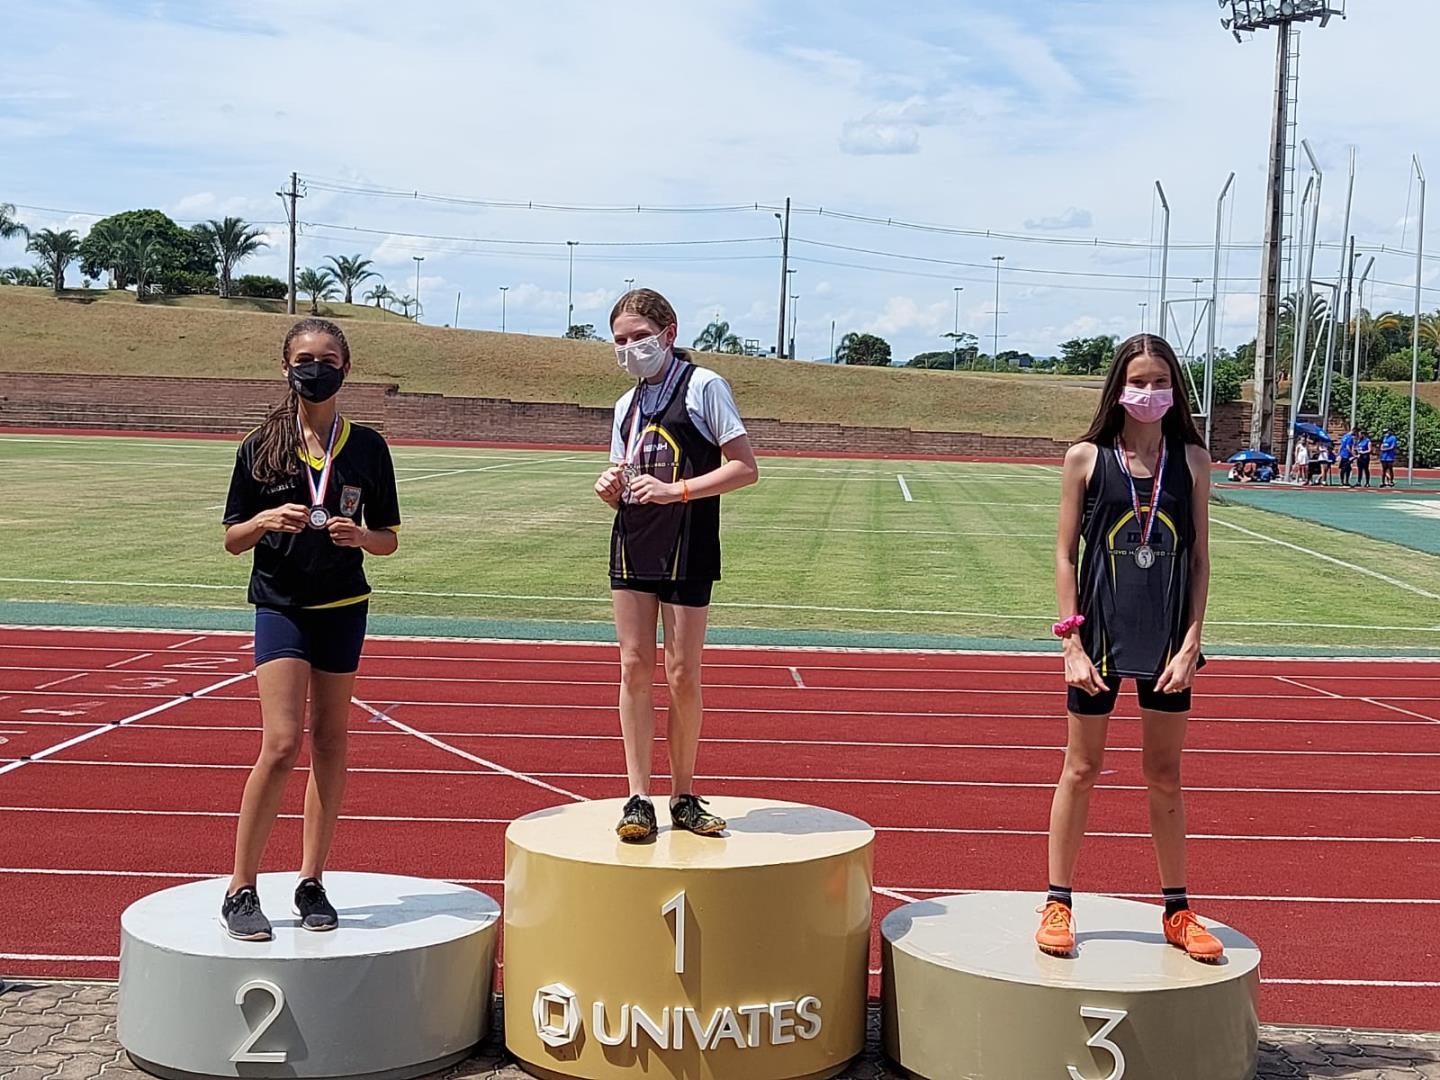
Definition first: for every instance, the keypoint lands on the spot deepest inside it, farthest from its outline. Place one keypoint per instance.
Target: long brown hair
(277, 442)
(1109, 420)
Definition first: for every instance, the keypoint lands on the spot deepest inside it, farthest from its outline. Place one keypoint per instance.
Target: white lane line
(1331, 559)
(904, 488)
(466, 755)
(187, 641)
(1306, 686)
(795, 674)
(129, 660)
(1398, 709)
(893, 894)
(58, 957)
(48, 751)
(935, 830)
(1387, 901)
(485, 468)
(1403, 984)
(59, 682)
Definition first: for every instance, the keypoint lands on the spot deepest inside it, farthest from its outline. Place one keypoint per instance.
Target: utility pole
(457, 309)
(794, 318)
(570, 302)
(290, 198)
(784, 277)
(995, 353)
(832, 341)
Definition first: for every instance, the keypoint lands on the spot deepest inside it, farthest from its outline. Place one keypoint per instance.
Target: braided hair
(277, 444)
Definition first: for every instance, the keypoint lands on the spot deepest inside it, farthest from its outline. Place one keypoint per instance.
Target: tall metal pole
(1299, 309)
(1359, 338)
(503, 290)
(1415, 353)
(418, 260)
(1142, 306)
(1349, 311)
(457, 309)
(832, 341)
(955, 337)
(1214, 305)
(1262, 416)
(784, 277)
(1164, 254)
(570, 294)
(1325, 383)
(794, 318)
(995, 352)
(290, 198)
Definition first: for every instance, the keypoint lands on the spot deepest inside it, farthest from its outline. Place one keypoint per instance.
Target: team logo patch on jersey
(349, 500)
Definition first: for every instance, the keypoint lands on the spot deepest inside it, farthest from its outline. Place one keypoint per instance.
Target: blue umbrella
(1252, 455)
(1315, 431)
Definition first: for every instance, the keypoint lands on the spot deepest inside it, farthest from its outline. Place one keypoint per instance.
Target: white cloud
(879, 137)
(1073, 218)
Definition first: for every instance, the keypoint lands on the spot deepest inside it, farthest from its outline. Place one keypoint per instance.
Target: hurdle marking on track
(904, 488)
(799, 682)
(129, 660)
(187, 641)
(59, 682)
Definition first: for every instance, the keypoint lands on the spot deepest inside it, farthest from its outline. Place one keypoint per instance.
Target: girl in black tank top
(1132, 579)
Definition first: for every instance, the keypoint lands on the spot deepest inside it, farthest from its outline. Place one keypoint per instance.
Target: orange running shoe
(1183, 930)
(1056, 936)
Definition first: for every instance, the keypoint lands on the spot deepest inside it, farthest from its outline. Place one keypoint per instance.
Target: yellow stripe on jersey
(319, 463)
(339, 603)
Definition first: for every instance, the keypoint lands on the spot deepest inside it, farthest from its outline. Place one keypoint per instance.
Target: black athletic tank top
(678, 541)
(1135, 618)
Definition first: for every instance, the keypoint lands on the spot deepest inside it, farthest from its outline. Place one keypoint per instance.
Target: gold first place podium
(738, 956)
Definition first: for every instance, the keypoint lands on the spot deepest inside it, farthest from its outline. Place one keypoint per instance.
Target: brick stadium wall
(26, 399)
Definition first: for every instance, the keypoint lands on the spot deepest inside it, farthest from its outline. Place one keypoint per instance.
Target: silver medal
(1144, 556)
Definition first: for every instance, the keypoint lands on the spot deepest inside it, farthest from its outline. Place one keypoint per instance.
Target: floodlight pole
(1214, 305)
(1297, 343)
(1415, 353)
(1262, 416)
(1359, 337)
(1325, 384)
(1164, 253)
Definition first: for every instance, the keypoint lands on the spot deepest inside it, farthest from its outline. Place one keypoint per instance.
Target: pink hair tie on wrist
(1066, 627)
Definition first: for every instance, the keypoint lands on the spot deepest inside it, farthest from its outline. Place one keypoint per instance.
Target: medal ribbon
(1149, 525)
(639, 423)
(317, 492)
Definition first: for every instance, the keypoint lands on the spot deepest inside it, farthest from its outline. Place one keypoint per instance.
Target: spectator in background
(1388, 447)
(1265, 474)
(1301, 470)
(1347, 455)
(1362, 458)
(1327, 457)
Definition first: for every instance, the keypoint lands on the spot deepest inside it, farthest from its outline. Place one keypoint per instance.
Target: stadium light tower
(1284, 16)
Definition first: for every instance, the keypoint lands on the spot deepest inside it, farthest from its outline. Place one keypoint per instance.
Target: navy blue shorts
(1083, 704)
(676, 593)
(328, 639)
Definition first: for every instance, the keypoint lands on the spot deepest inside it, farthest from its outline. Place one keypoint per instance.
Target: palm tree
(406, 302)
(9, 227)
(349, 271)
(109, 241)
(39, 277)
(231, 241)
(140, 260)
(842, 351)
(379, 293)
(717, 338)
(1429, 326)
(57, 250)
(318, 284)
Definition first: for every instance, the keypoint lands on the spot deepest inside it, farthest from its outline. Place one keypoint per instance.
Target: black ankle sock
(1175, 900)
(1060, 894)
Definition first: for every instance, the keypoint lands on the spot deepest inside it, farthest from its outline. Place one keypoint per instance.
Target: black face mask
(316, 380)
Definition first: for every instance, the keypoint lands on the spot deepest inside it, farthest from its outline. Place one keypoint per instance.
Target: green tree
(1086, 356)
(1380, 408)
(380, 293)
(141, 260)
(9, 227)
(231, 241)
(865, 350)
(963, 350)
(1396, 367)
(582, 332)
(57, 250)
(405, 302)
(37, 277)
(350, 271)
(260, 285)
(318, 284)
(717, 338)
(176, 251)
(932, 361)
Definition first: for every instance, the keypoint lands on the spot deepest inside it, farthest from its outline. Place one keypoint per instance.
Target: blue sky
(1047, 120)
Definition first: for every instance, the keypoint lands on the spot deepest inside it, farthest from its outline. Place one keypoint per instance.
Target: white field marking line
(795, 674)
(48, 751)
(128, 660)
(859, 744)
(56, 957)
(904, 488)
(893, 895)
(187, 641)
(1303, 686)
(1331, 559)
(1398, 709)
(492, 766)
(933, 830)
(1402, 984)
(484, 468)
(56, 682)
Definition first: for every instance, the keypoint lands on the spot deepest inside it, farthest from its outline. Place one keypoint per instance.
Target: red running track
(1314, 806)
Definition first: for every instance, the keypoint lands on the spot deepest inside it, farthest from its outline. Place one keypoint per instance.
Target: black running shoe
(241, 916)
(688, 812)
(315, 910)
(637, 823)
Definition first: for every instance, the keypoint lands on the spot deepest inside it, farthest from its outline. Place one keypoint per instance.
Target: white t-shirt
(708, 400)
(1302, 455)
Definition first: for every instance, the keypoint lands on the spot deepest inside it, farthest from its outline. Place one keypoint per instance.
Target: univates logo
(557, 1013)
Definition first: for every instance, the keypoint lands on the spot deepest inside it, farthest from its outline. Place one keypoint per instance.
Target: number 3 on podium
(1101, 1041)
(676, 904)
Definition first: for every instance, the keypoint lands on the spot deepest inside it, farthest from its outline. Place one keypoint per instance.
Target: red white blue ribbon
(1149, 524)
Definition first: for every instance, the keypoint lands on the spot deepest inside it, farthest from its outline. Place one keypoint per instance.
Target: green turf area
(1399, 516)
(821, 551)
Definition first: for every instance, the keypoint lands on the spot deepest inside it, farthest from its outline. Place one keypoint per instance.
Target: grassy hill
(99, 332)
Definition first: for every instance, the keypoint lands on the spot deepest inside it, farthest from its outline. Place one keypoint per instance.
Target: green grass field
(821, 550)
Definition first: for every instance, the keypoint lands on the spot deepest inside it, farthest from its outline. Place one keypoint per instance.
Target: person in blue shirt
(1362, 458)
(1388, 446)
(1347, 456)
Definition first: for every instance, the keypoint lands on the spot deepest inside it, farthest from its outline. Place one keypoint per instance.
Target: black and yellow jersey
(1136, 616)
(306, 569)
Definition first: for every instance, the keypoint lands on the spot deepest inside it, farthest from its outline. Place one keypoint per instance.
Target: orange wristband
(684, 491)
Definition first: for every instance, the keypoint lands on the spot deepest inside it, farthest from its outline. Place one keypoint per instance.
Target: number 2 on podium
(676, 904)
(1101, 1041)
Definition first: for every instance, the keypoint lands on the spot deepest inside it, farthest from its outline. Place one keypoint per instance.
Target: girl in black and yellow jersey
(1136, 489)
(311, 493)
(677, 445)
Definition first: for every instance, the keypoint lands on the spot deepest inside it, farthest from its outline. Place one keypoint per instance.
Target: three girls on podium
(311, 493)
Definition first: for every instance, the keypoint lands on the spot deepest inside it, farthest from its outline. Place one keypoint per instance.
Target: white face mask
(644, 358)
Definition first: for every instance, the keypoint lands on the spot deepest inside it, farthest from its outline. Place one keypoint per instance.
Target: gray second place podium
(400, 989)
(968, 995)
(738, 957)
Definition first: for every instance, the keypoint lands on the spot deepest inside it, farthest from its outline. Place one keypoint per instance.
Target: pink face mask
(1147, 406)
